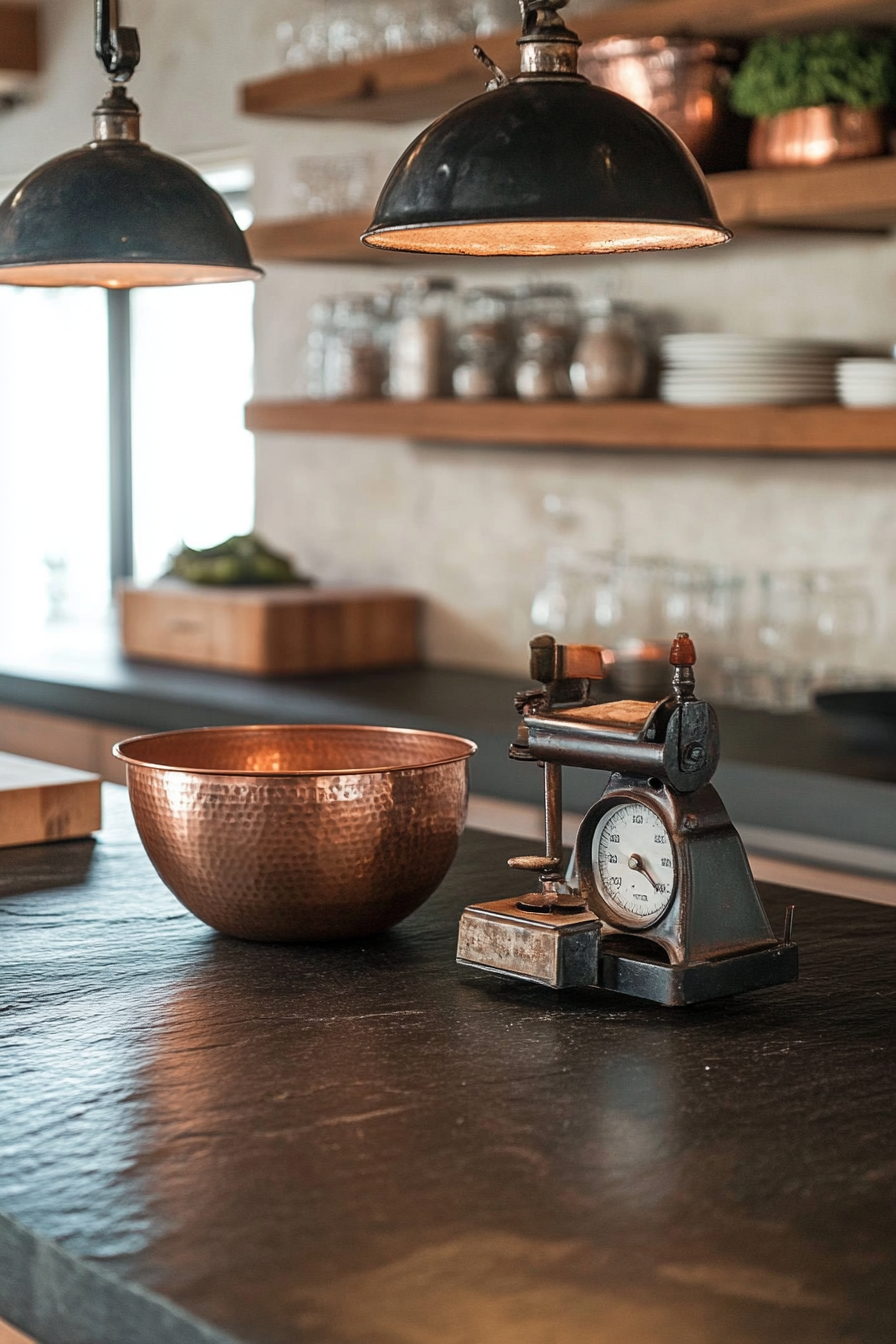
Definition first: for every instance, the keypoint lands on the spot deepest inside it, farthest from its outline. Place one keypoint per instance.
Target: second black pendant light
(545, 163)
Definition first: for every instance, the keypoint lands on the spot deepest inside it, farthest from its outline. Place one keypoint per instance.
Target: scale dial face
(634, 864)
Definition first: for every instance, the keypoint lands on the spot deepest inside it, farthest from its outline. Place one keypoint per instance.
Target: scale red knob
(683, 653)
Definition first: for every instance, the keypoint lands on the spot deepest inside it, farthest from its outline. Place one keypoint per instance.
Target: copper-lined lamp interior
(121, 275)
(550, 237)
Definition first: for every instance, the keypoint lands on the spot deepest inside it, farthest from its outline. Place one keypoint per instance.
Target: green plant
(845, 65)
(239, 560)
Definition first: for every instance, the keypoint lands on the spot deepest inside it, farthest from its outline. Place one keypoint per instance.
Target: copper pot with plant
(816, 97)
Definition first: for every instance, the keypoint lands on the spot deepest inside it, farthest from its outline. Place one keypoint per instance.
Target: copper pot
(682, 81)
(808, 136)
(299, 833)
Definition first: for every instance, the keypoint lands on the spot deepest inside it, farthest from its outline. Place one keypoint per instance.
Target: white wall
(464, 524)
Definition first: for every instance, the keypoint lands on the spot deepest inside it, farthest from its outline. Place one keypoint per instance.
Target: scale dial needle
(637, 863)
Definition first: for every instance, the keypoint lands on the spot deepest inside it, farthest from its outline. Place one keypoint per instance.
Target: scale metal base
(563, 951)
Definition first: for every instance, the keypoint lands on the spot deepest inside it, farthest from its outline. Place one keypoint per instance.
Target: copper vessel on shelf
(809, 136)
(299, 833)
(683, 81)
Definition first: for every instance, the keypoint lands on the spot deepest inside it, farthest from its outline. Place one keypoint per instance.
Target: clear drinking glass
(782, 678)
(610, 358)
(420, 351)
(332, 185)
(484, 345)
(841, 609)
(353, 357)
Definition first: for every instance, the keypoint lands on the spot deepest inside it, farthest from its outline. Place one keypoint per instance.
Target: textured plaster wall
(465, 525)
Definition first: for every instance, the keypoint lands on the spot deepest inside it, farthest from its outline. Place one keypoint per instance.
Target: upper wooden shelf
(623, 425)
(19, 46)
(859, 196)
(417, 85)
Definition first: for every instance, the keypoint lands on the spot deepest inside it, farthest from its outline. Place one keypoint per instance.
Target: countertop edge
(60, 1299)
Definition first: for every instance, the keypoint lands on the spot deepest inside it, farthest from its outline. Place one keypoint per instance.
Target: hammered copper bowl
(303, 833)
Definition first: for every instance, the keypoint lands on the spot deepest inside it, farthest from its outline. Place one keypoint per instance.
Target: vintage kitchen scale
(659, 901)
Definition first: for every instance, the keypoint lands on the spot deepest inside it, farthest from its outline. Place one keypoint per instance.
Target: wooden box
(274, 631)
(39, 801)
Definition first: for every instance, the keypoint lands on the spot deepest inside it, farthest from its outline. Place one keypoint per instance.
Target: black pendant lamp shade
(115, 213)
(545, 164)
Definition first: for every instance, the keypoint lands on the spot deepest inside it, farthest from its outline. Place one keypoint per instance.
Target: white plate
(867, 366)
(729, 385)
(682, 398)
(868, 401)
(755, 368)
(725, 343)
(736, 357)
(851, 379)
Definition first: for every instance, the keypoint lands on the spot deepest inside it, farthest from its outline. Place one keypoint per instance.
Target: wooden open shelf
(841, 196)
(623, 425)
(858, 196)
(19, 46)
(330, 238)
(418, 85)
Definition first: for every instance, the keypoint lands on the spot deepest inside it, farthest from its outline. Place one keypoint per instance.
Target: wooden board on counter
(40, 801)
(417, 85)
(621, 425)
(270, 631)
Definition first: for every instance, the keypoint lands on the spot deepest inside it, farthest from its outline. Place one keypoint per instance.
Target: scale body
(665, 907)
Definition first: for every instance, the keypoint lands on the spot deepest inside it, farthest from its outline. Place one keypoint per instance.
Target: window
(176, 432)
(54, 457)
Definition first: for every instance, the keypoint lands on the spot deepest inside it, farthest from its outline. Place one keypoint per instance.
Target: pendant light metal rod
(117, 48)
(121, 486)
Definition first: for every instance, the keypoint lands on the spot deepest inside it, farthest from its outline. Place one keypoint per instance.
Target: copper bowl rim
(466, 749)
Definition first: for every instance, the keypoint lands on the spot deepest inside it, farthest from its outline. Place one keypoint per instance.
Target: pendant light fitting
(545, 164)
(115, 213)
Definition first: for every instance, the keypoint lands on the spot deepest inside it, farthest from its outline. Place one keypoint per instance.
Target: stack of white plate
(720, 369)
(867, 382)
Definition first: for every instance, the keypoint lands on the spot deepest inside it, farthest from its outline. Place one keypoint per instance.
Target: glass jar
(546, 321)
(354, 366)
(420, 355)
(484, 345)
(610, 359)
(320, 333)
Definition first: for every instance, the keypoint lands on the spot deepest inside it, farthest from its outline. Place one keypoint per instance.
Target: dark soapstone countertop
(208, 1140)
(788, 772)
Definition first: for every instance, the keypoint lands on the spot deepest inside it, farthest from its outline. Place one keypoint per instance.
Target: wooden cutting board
(39, 802)
(270, 631)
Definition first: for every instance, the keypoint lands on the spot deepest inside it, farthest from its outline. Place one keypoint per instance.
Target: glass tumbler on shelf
(354, 367)
(610, 360)
(781, 678)
(707, 600)
(546, 322)
(332, 184)
(639, 640)
(568, 603)
(484, 345)
(304, 40)
(313, 378)
(842, 620)
(420, 353)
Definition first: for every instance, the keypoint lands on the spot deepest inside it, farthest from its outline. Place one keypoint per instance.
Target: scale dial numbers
(634, 865)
